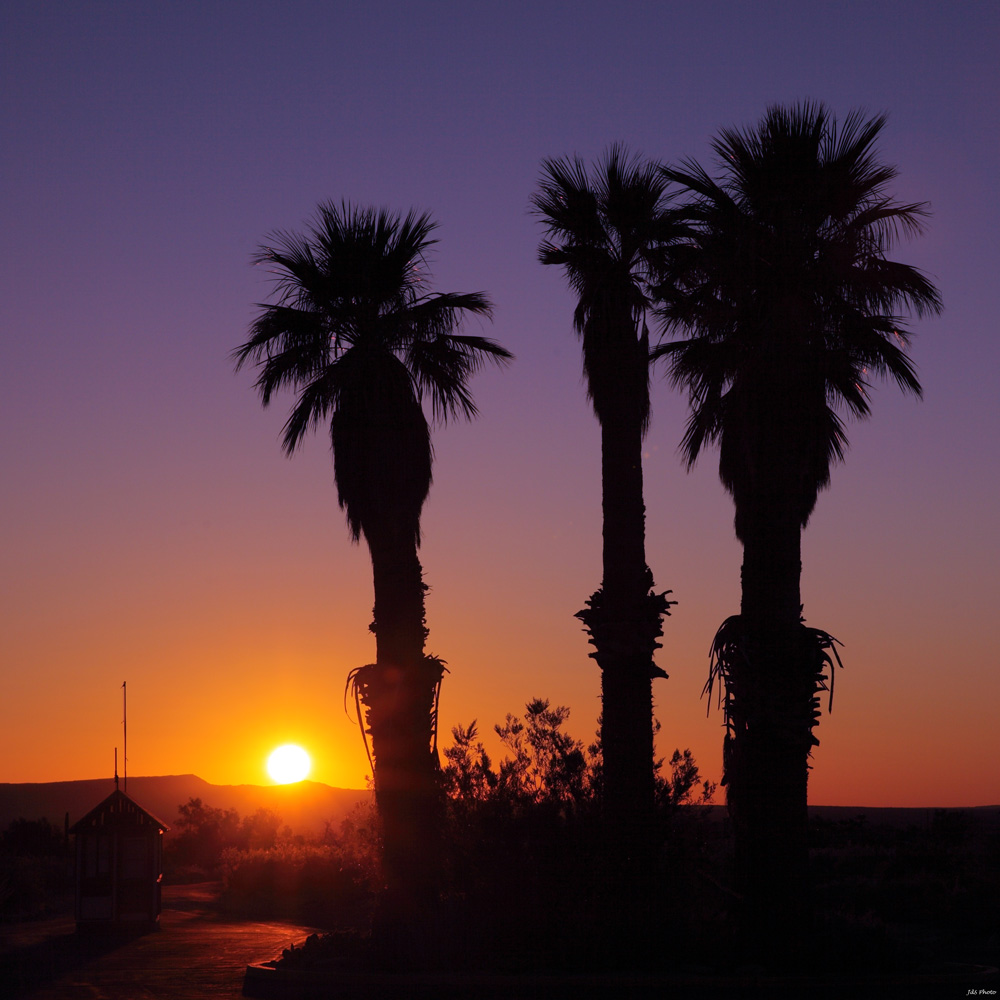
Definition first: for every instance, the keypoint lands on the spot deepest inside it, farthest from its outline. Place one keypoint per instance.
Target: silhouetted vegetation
(322, 884)
(36, 869)
(202, 833)
(268, 871)
(610, 233)
(526, 877)
(357, 335)
(536, 821)
(782, 287)
(777, 280)
(909, 894)
(333, 880)
(34, 838)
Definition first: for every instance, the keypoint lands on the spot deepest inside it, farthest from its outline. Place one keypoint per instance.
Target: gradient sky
(152, 530)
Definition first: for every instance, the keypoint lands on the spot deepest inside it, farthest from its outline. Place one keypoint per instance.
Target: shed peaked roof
(118, 810)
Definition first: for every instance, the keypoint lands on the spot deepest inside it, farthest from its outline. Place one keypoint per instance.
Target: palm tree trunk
(400, 694)
(624, 650)
(768, 760)
(399, 587)
(623, 619)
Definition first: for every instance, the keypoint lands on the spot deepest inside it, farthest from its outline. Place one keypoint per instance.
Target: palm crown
(792, 304)
(609, 234)
(356, 332)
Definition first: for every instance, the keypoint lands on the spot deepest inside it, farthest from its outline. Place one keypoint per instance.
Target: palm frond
(356, 331)
(731, 677)
(357, 684)
(290, 346)
(784, 262)
(608, 230)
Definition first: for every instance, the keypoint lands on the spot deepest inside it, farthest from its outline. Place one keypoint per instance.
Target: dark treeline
(765, 292)
(36, 869)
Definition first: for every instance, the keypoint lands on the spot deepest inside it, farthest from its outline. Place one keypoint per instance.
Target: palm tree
(609, 232)
(791, 308)
(357, 334)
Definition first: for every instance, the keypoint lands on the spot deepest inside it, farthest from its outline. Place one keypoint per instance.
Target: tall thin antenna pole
(125, 732)
(116, 769)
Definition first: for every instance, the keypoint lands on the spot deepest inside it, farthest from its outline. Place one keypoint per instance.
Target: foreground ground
(197, 955)
(201, 955)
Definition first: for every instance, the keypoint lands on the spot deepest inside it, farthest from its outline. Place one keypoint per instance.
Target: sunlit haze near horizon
(153, 531)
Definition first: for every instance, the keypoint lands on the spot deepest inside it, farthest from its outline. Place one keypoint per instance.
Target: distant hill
(304, 806)
(900, 817)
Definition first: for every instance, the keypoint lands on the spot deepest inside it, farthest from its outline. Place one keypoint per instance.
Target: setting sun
(289, 763)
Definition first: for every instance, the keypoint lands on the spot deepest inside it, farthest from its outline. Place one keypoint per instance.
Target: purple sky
(152, 530)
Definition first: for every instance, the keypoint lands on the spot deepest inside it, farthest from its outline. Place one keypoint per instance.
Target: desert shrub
(36, 838)
(36, 870)
(201, 835)
(33, 887)
(358, 836)
(314, 883)
(908, 896)
(683, 786)
(527, 845)
(332, 882)
(259, 830)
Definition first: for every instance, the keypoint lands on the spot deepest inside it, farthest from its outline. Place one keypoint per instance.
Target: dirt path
(197, 955)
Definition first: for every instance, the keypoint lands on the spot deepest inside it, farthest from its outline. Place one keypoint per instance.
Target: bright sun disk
(287, 764)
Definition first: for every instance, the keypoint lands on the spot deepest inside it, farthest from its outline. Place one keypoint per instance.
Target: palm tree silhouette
(608, 232)
(356, 332)
(791, 308)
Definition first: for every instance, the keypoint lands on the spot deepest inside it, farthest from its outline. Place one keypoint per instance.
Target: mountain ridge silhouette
(305, 806)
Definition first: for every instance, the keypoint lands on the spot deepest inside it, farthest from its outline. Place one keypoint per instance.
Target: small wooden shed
(119, 866)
